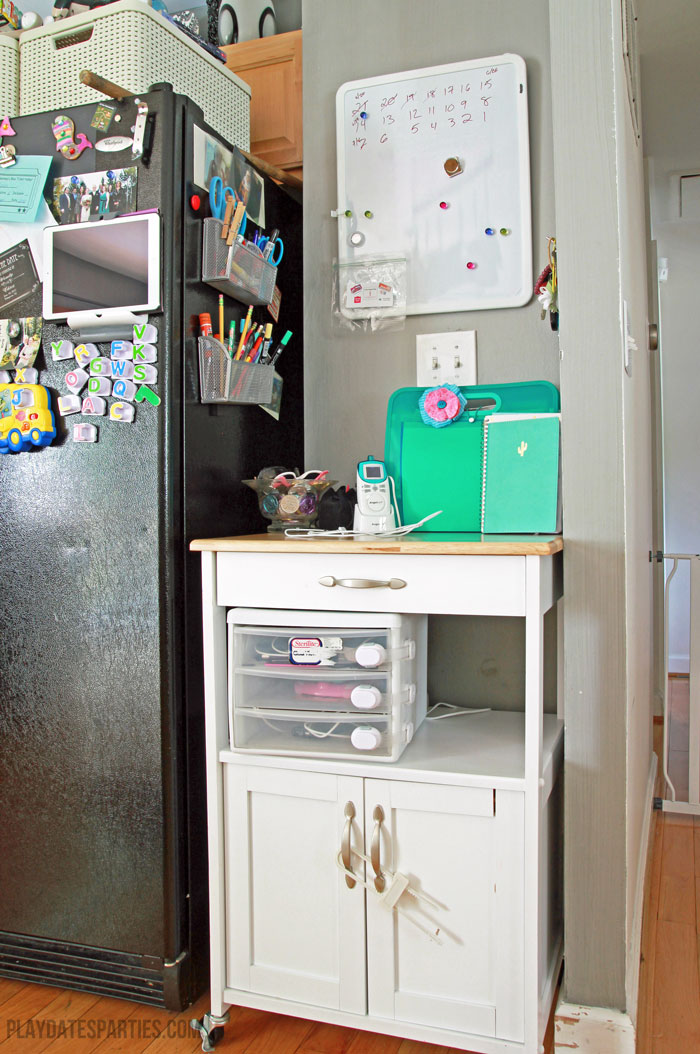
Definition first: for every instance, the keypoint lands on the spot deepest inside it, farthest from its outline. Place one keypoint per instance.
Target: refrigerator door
(103, 862)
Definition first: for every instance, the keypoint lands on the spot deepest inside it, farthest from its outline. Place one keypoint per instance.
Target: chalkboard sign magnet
(453, 166)
(356, 238)
(471, 265)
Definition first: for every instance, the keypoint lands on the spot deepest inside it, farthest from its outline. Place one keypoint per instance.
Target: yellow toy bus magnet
(26, 419)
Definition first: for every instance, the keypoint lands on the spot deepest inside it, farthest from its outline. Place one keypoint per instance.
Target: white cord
(324, 735)
(343, 532)
(454, 711)
(396, 505)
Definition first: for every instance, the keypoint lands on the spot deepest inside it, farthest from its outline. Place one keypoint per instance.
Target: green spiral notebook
(520, 474)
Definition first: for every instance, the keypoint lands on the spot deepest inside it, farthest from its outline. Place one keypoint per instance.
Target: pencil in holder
(236, 269)
(226, 380)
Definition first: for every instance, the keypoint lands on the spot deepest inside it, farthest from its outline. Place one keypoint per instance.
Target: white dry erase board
(395, 134)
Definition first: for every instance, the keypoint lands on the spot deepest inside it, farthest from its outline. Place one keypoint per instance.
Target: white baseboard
(679, 663)
(634, 945)
(592, 1030)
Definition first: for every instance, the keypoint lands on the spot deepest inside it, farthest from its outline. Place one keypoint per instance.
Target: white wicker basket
(133, 46)
(9, 76)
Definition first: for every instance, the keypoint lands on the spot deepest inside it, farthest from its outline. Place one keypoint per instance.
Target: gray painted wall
(349, 377)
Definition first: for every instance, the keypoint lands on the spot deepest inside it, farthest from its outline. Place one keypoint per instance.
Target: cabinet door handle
(362, 583)
(345, 849)
(379, 881)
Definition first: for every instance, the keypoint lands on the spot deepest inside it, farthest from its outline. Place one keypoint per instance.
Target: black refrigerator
(103, 867)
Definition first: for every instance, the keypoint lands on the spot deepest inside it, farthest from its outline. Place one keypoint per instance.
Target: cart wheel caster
(210, 1033)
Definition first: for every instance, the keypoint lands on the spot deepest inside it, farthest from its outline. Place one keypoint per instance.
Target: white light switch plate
(446, 358)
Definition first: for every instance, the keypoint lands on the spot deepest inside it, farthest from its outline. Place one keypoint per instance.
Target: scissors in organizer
(219, 196)
(263, 245)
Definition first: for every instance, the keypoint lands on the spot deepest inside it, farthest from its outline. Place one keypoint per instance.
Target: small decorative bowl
(288, 500)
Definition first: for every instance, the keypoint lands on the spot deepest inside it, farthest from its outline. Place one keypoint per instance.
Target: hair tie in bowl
(441, 406)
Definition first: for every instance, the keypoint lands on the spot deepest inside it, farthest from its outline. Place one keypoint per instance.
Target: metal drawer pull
(345, 850)
(379, 881)
(362, 583)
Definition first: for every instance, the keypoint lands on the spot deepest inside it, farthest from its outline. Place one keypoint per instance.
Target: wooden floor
(36, 1019)
(668, 1020)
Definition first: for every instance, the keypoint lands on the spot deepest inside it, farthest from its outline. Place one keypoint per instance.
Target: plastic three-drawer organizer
(334, 684)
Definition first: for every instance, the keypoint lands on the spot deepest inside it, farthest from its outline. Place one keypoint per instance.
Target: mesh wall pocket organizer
(223, 380)
(236, 270)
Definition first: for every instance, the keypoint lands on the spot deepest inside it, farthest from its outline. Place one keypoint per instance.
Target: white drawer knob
(365, 697)
(370, 655)
(364, 737)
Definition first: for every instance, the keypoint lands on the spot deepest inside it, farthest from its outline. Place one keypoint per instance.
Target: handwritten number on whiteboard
(466, 118)
(384, 138)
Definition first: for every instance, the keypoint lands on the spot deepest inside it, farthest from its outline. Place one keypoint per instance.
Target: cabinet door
(294, 928)
(463, 846)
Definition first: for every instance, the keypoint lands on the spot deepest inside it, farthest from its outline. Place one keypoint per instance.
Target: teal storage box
(441, 468)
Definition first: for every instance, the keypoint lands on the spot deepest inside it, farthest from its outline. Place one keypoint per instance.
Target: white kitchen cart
(470, 814)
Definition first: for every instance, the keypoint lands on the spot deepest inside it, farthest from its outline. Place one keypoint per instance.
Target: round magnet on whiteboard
(363, 115)
(357, 238)
(444, 205)
(489, 230)
(504, 230)
(348, 213)
(368, 214)
(453, 166)
(471, 266)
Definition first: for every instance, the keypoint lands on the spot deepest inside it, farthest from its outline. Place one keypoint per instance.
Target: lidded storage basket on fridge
(132, 45)
(332, 683)
(9, 77)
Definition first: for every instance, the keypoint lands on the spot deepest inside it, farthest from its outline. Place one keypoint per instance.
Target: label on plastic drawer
(313, 651)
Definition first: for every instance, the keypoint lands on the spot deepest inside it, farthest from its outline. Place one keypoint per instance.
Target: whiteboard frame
(465, 302)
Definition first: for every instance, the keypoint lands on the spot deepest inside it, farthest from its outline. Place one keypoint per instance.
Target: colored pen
(241, 342)
(254, 353)
(268, 341)
(280, 347)
(231, 335)
(221, 318)
(252, 337)
(270, 247)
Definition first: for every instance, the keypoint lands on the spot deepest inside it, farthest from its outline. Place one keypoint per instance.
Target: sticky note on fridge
(124, 390)
(100, 386)
(76, 380)
(145, 373)
(85, 433)
(85, 353)
(145, 353)
(61, 349)
(145, 333)
(122, 412)
(94, 405)
(22, 187)
(69, 404)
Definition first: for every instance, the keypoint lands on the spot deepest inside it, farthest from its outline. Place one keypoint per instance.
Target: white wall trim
(592, 1029)
(679, 663)
(634, 945)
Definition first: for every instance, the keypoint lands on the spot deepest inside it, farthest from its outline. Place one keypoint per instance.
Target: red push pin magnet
(471, 265)
(444, 204)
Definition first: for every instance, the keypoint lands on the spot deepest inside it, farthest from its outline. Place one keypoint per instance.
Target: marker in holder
(225, 380)
(236, 270)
